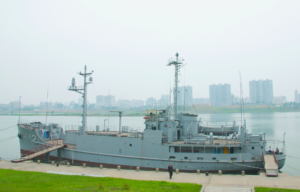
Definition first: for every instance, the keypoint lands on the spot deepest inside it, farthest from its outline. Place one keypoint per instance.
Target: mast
(176, 62)
(83, 92)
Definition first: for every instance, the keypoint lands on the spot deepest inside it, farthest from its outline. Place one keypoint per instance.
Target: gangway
(270, 163)
(40, 150)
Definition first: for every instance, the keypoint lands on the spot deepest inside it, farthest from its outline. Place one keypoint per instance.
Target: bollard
(206, 173)
(52, 163)
(157, 170)
(84, 165)
(198, 171)
(38, 161)
(177, 171)
(101, 166)
(119, 167)
(243, 173)
(220, 172)
(68, 164)
(137, 168)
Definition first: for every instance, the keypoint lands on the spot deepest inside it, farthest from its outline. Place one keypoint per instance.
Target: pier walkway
(271, 165)
(40, 150)
(209, 182)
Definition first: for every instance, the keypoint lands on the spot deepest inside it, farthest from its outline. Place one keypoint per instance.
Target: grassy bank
(265, 189)
(11, 180)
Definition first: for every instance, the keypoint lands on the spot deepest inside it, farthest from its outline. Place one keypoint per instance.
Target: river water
(272, 124)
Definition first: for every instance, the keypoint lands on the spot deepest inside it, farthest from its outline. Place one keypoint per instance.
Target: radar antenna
(83, 91)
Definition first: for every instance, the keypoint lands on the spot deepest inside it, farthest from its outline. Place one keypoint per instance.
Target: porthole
(252, 158)
(214, 158)
(252, 148)
(233, 158)
(185, 157)
(172, 157)
(130, 145)
(199, 158)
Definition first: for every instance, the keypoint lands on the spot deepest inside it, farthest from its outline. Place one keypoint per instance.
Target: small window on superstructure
(172, 157)
(214, 158)
(199, 158)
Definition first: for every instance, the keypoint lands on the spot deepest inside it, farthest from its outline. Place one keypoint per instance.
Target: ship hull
(93, 150)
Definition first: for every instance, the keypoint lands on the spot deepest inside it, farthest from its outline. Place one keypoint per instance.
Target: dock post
(52, 162)
(119, 167)
(68, 164)
(157, 170)
(177, 171)
(47, 157)
(137, 168)
(101, 166)
(243, 173)
(59, 154)
(84, 165)
(198, 171)
(220, 172)
(38, 161)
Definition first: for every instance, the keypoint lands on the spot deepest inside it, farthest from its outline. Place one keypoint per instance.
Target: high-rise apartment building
(164, 101)
(220, 95)
(279, 100)
(105, 101)
(124, 104)
(261, 91)
(151, 102)
(184, 95)
(137, 103)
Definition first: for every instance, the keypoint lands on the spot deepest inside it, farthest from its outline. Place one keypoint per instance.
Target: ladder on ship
(40, 150)
(271, 164)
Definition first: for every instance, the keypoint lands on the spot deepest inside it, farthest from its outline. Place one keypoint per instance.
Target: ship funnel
(73, 81)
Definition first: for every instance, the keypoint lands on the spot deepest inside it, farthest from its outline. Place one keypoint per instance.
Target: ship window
(252, 148)
(130, 145)
(199, 158)
(262, 147)
(214, 158)
(233, 159)
(252, 158)
(186, 149)
(177, 150)
(172, 157)
(185, 157)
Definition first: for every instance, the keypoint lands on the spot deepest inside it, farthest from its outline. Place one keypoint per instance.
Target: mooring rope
(7, 128)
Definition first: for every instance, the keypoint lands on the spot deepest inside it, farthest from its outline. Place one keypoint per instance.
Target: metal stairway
(270, 163)
(40, 150)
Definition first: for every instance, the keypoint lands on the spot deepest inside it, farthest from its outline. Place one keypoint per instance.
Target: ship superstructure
(179, 138)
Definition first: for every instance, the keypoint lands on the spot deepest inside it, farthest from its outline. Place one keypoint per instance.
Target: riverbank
(197, 109)
(213, 180)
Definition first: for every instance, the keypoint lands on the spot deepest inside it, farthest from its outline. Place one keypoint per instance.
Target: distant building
(297, 96)
(137, 103)
(151, 102)
(200, 100)
(124, 104)
(261, 91)
(164, 101)
(246, 100)
(279, 100)
(105, 101)
(220, 95)
(43, 105)
(235, 100)
(184, 96)
(80, 101)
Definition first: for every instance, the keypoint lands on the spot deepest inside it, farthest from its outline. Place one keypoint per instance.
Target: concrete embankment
(213, 180)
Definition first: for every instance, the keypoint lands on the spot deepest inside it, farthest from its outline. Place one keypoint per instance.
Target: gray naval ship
(179, 138)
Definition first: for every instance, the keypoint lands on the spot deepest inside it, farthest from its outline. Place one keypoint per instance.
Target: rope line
(7, 128)
(8, 138)
(292, 167)
(293, 157)
(247, 166)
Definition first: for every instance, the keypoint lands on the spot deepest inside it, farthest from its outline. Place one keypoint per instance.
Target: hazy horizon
(128, 44)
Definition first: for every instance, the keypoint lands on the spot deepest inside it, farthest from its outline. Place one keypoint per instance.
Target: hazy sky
(128, 44)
